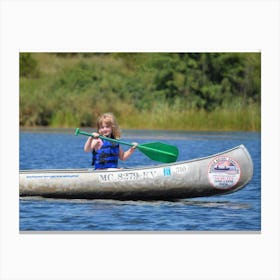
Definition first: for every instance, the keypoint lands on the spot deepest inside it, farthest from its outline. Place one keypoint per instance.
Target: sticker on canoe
(167, 171)
(223, 172)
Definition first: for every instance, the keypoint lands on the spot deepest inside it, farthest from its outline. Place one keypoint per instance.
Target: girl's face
(105, 129)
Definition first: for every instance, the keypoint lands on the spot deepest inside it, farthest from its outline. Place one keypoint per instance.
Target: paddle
(156, 151)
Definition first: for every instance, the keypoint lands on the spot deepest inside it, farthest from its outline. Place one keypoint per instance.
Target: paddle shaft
(103, 137)
(141, 147)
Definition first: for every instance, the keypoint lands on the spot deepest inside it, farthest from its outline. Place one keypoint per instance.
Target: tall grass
(166, 117)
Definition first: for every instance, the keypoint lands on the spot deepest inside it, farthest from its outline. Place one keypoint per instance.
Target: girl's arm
(92, 143)
(125, 155)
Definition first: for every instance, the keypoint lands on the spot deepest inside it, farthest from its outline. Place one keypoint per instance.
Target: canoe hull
(186, 179)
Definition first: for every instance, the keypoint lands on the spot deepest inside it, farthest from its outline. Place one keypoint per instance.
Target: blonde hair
(109, 119)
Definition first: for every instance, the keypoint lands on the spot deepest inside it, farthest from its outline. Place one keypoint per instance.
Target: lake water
(240, 211)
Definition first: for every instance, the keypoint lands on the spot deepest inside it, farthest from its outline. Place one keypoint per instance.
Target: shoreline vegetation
(153, 91)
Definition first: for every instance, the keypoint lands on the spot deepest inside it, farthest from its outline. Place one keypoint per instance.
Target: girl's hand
(93, 142)
(95, 135)
(134, 145)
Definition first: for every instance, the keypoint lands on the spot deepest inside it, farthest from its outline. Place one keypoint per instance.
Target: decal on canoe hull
(224, 172)
(136, 175)
(53, 176)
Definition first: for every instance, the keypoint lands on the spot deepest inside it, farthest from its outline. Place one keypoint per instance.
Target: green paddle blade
(159, 151)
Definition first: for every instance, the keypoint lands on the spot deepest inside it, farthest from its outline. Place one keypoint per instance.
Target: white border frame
(208, 25)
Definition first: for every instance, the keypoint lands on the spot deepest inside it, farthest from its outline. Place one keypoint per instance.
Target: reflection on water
(102, 203)
(217, 204)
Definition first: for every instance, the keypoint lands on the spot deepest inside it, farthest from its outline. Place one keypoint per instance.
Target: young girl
(105, 154)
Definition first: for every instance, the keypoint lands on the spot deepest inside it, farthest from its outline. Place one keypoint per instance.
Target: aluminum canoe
(218, 174)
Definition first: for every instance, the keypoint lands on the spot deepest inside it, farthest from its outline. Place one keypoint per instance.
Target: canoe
(218, 174)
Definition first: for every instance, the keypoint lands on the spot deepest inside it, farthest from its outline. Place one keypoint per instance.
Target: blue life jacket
(107, 156)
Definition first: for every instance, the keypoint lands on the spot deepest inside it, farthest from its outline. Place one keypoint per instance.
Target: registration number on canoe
(141, 174)
(127, 176)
